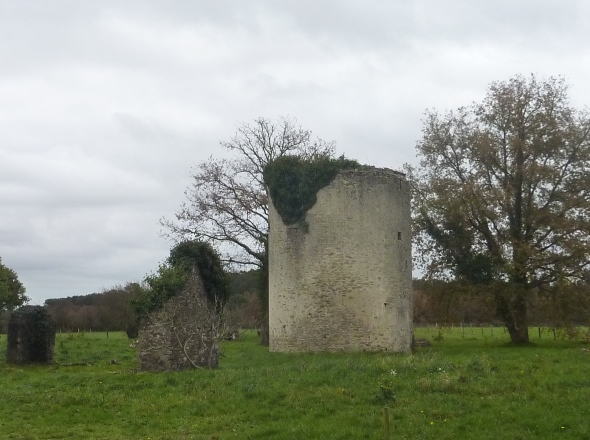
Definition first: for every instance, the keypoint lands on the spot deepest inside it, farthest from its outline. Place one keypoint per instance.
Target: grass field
(468, 385)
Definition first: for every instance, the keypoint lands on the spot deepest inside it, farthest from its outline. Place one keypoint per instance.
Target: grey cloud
(68, 176)
(106, 106)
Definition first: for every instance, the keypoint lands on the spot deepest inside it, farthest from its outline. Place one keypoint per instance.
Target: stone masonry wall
(344, 284)
(182, 327)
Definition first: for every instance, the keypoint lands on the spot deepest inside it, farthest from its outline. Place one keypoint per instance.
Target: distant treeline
(435, 302)
(111, 309)
(106, 311)
(452, 303)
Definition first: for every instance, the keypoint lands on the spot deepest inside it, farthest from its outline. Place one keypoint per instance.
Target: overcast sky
(105, 106)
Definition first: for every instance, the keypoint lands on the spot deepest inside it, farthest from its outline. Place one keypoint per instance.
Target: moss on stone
(293, 183)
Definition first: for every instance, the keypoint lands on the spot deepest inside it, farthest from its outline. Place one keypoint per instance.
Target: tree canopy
(171, 278)
(227, 203)
(501, 198)
(12, 291)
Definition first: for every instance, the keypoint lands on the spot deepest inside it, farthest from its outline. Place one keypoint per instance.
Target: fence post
(386, 428)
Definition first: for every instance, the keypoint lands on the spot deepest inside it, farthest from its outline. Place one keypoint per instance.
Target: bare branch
(227, 203)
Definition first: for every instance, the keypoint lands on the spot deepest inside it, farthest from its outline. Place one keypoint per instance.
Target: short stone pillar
(31, 336)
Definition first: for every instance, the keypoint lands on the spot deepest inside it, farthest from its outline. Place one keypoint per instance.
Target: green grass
(466, 386)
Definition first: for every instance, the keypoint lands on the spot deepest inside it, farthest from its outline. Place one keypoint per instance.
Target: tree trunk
(512, 307)
(518, 328)
(263, 332)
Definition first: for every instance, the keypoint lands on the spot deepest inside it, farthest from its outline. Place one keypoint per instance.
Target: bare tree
(227, 203)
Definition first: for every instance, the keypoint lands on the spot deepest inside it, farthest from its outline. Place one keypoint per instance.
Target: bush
(173, 276)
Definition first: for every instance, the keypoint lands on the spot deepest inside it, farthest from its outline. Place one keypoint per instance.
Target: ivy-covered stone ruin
(181, 312)
(31, 336)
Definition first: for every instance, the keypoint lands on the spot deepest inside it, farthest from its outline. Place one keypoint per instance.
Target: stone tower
(342, 280)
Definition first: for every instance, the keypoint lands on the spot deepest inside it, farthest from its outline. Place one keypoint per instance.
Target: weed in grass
(481, 365)
(386, 391)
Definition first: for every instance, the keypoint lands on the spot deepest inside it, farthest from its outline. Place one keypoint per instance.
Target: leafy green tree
(501, 199)
(12, 291)
(173, 275)
(227, 203)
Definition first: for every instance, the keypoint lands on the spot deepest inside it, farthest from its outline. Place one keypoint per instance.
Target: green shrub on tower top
(293, 183)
